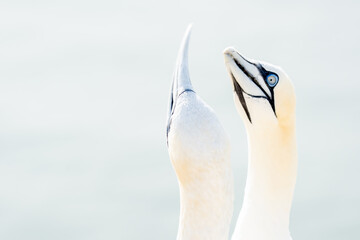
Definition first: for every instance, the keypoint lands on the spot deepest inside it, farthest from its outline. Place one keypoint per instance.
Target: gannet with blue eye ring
(265, 99)
(199, 150)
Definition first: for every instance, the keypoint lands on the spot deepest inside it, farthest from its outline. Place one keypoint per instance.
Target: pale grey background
(83, 100)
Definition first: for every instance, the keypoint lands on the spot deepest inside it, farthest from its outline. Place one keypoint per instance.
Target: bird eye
(272, 80)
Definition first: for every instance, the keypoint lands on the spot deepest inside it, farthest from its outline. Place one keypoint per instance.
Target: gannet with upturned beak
(199, 150)
(265, 99)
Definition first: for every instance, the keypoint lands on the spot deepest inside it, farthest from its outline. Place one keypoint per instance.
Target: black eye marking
(249, 75)
(264, 73)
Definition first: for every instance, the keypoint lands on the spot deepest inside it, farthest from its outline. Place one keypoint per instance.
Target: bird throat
(269, 186)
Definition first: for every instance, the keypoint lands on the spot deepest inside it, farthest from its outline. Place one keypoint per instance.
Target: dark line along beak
(181, 80)
(240, 94)
(250, 85)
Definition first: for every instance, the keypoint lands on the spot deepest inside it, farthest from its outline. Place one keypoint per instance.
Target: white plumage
(265, 99)
(199, 150)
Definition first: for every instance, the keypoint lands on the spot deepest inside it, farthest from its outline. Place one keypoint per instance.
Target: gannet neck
(270, 184)
(200, 153)
(205, 180)
(206, 207)
(199, 150)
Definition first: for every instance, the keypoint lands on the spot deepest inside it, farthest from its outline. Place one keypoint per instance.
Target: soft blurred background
(83, 99)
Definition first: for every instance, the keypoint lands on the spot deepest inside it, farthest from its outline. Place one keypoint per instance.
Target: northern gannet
(264, 97)
(199, 150)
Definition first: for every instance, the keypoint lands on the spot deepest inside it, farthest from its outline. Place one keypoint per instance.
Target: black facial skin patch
(240, 92)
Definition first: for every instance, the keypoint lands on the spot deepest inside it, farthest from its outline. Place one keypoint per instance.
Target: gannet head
(199, 150)
(263, 93)
(195, 137)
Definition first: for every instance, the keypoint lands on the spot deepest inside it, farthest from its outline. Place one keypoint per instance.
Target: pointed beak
(246, 73)
(181, 80)
(247, 78)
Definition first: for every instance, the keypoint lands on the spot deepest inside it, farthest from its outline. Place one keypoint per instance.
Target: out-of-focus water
(83, 100)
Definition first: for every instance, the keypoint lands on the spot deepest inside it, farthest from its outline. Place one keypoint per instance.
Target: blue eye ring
(272, 80)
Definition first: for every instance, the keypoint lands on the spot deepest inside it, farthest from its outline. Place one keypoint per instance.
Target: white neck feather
(269, 186)
(206, 205)
(199, 150)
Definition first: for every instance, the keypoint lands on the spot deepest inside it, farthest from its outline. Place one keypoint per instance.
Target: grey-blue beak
(181, 79)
